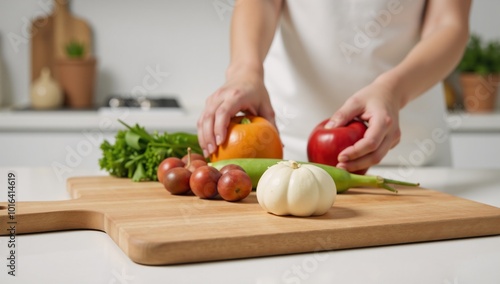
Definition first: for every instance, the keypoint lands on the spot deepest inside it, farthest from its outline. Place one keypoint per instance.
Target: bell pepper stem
(245, 120)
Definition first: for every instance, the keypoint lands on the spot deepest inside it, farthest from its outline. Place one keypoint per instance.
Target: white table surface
(92, 257)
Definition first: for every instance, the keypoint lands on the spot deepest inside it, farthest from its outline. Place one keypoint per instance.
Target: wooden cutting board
(50, 34)
(154, 227)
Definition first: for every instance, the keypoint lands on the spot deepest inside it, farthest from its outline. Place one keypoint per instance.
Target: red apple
(324, 145)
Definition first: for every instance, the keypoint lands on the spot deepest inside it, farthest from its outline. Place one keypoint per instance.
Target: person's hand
(379, 107)
(244, 91)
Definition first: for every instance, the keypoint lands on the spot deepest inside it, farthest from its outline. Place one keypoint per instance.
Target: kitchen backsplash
(154, 46)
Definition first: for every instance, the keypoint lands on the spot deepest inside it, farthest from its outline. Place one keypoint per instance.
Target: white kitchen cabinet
(476, 150)
(64, 152)
(475, 140)
(68, 141)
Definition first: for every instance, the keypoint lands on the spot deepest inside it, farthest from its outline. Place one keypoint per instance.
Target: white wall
(186, 38)
(485, 19)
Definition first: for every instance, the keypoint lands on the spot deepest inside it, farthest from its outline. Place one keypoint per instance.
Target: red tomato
(325, 145)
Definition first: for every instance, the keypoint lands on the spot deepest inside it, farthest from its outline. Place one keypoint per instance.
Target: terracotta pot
(479, 92)
(77, 78)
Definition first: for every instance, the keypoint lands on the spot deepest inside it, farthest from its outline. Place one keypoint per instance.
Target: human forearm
(252, 30)
(434, 57)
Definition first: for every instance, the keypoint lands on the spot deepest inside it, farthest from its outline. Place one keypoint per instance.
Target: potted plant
(480, 74)
(75, 49)
(76, 74)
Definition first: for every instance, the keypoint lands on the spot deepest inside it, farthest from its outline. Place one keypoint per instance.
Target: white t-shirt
(324, 51)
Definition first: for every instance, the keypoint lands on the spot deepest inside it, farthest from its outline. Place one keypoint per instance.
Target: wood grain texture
(50, 34)
(154, 227)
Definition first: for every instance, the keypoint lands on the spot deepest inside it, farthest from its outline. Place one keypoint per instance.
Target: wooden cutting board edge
(281, 244)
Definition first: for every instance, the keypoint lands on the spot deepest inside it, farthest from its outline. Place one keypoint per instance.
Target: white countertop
(92, 257)
(105, 119)
(469, 122)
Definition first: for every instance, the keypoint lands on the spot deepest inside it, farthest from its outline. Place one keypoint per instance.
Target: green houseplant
(77, 75)
(75, 49)
(479, 72)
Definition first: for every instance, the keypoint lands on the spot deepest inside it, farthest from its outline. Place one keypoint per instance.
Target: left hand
(379, 107)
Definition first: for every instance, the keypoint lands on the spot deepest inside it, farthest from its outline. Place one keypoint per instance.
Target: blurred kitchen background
(186, 39)
(165, 49)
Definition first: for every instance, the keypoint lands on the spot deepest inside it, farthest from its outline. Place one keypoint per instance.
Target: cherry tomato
(167, 164)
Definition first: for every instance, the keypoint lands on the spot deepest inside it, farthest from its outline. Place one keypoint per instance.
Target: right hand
(243, 91)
